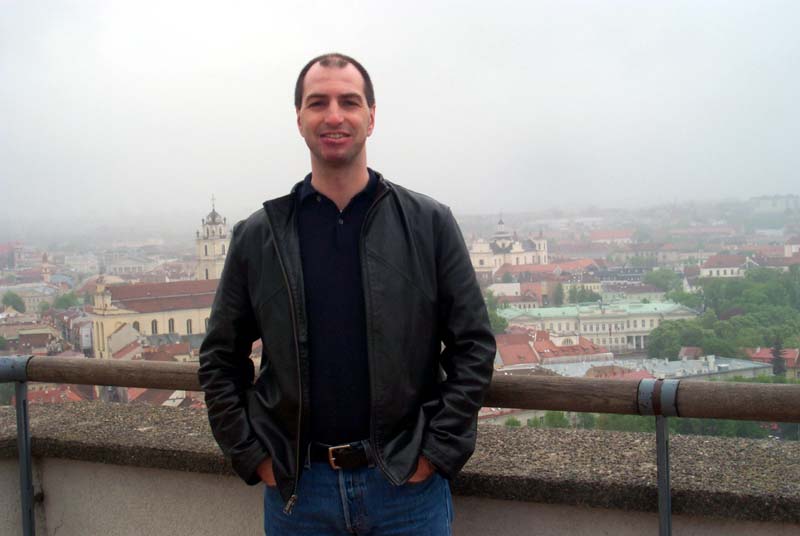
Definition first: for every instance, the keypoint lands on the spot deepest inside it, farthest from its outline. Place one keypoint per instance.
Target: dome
(214, 218)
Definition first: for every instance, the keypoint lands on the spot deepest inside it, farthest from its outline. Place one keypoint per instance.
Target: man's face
(334, 118)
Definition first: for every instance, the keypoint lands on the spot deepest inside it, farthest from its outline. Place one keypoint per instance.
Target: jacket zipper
(362, 250)
(287, 509)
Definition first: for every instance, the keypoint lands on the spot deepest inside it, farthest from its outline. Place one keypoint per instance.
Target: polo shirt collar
(307, 189)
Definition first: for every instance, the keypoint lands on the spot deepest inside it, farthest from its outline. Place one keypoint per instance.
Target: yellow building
(180, 307)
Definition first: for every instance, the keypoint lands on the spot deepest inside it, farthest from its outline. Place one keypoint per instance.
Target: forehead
(333, 80)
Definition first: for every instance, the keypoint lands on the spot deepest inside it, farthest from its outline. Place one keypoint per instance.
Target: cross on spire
(213, 208)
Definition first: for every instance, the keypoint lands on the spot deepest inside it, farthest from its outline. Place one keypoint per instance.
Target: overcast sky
(142, 110)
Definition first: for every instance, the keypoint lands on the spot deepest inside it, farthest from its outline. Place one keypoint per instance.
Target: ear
(299, 125)
(371, 120)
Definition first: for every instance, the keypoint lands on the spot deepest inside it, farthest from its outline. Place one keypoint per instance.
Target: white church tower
(212, 245)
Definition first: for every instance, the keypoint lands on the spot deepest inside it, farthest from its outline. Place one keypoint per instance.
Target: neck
(339, 184)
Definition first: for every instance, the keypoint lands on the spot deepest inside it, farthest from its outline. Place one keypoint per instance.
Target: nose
(334, 115)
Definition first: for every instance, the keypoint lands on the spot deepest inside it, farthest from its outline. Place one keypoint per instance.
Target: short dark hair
(334, 59)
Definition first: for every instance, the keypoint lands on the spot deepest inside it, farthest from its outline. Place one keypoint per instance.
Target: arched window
(154, 327)
(223, 249)
(171, 325)
(136, 326)
(206, 322)
(189, 327)
(206, 249)
(206, 273)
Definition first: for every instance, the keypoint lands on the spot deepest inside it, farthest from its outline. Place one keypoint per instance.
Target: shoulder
(420, 207)
(253, 228)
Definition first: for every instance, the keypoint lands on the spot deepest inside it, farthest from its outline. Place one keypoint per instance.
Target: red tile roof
(725, 261)
(576, 266)
(764, 355)
(545, 348)
(154, 297)
(514, 349)
(690, 352)
(612, 234)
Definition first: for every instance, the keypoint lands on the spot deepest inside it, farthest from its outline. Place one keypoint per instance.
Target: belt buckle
(331, 459)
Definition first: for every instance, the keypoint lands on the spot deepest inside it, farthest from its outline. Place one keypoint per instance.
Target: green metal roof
(593, 309)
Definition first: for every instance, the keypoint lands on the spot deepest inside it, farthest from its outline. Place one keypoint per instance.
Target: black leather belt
(347, 456)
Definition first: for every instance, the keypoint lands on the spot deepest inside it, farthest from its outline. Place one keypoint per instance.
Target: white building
(212, 244)
(619, 327)
(503, 247)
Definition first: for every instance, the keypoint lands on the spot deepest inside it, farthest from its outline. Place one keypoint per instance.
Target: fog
(131, 115)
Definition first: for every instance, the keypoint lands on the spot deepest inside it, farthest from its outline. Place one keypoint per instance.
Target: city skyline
(138, 113)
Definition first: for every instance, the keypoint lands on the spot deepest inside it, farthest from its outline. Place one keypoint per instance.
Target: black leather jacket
(424, 315)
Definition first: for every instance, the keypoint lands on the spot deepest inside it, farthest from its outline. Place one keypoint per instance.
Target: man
(377, 349)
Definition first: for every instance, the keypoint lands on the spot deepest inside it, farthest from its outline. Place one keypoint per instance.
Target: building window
(189, 327)
(628, 324)
(480, 262)
(634, 323)
(171, 325)
(136, 326)
(154, 327)
(206, 249)
(206, 324)
(651, 322)
(223, 249)
(206, 273)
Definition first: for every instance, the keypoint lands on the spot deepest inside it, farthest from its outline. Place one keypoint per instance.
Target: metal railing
(659, 398)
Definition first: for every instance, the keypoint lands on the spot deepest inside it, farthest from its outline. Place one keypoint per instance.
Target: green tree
(664, 279)
(497, 322)
(558, 295)
(11, 299)
(513, 422)
(507, 278)
(626, 423)
(587, 295)
(555, 419)
(587, 421)
(534, 422)
(3, 343)
(572, 295)
(43, 307)
(65, 301)
(689, 299)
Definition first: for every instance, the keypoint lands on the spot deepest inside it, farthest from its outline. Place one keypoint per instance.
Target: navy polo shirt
(334, 295)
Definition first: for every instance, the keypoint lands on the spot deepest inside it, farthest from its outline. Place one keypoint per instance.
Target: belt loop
(370, 454)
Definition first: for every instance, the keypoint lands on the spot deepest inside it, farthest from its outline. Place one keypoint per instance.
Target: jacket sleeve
(226, 371)
(467, 357)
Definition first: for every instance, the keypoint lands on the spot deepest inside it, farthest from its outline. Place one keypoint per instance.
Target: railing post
(659, 398)
(14, 369)
(24, 452)
(664, 496)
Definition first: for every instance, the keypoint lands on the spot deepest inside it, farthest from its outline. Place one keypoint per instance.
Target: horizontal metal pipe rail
(661, 398)
(692, 398)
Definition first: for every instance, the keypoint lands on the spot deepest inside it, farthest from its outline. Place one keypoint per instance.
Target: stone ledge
(755, 480)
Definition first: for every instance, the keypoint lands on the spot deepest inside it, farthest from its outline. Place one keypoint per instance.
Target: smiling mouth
(335, 136)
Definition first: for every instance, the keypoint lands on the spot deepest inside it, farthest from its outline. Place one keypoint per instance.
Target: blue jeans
(360, 501)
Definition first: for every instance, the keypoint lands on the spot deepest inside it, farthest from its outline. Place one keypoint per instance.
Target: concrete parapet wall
(133, 469)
